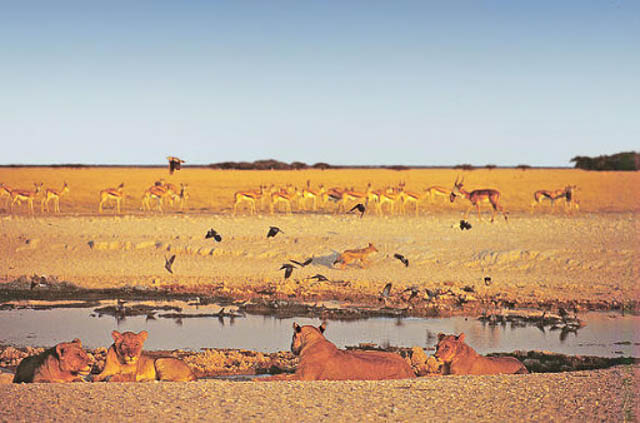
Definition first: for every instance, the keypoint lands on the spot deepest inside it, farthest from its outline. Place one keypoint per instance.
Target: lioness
(66, 362)
(359, 254)
(322, 360)
(461, 359)
(127, 363)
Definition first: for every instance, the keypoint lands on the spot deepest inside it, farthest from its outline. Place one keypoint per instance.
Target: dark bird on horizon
(288, 269)
(304, 263)
(174, 164)
(402, 258)
(359, 207)
(464, 225)
(273, 231)
(168, 262)
(319, 277)
(212, 233)
(487, 280)
(384, 294)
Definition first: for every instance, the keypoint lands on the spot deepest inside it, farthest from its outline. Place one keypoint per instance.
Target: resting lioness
(66, 362)
(127, 363)
(461, 359)
(322, 360)
(359, 254)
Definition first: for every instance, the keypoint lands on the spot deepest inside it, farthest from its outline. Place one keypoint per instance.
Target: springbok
(116, 194)
(54, 195)
(476, 197)
(20, 195)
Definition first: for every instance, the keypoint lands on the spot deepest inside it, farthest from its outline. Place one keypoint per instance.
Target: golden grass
(212, 190)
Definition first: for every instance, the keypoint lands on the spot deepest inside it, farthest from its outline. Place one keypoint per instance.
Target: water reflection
(604, 335)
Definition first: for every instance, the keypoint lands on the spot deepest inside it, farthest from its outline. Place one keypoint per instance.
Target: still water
(605, 335)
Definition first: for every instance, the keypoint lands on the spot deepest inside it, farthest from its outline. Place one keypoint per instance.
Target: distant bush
(620, 161)
(259, 165)
(464, 166)
(321, 165)
(523, 167)
(491, 166)
(397, 167)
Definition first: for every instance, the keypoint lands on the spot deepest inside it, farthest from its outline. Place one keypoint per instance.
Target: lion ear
(322, 327)
(461, 337)
(60, 350)
(116, 335)
(144, 335)
(77, 341)
(296, 327)
(441, 336)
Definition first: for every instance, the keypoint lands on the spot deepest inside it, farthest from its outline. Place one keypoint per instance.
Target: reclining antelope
(477, 196)
(20, 195)
(51, 194)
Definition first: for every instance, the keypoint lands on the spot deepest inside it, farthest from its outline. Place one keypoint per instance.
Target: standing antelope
(541, 194)
(249, 196)
(20, 195)
(51, 194)
(116, 194)
(476, 197)
(412, 197)
(314, 195)
(353, 196)
(390, 196)
(5, 191)
(284, 196)
(437, 191)
(155, 192)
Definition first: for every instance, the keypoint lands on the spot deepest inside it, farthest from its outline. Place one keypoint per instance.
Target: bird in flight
(304, 263)
(487, 280)
(273, 231)
(414, 292)
(212, 233)
(174, 164)
(359, 207)
(402, 258)
(168, 262)
(464, 225)
(384, 294)
(288, 269)
(319, 277)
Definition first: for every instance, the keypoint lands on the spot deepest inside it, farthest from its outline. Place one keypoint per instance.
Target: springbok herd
(389, 200)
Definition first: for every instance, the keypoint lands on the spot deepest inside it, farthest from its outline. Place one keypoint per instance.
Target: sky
(415, 83)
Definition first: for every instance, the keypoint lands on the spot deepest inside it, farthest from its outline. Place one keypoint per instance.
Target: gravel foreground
(602, 395)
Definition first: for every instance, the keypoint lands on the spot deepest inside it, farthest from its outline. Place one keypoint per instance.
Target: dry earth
(589, 258)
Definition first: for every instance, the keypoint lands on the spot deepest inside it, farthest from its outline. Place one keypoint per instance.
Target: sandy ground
(588, 258)
(603, 395)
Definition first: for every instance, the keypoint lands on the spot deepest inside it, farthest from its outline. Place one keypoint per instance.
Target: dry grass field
(590, 256)
(211, 191)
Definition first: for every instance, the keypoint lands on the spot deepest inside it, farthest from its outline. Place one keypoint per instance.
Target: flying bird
(402, 258)
(487, 280)
(273, 231)
(304, 263)
(213, 234)
(319, 277)
(464, 225)
(414, 292)
(168, 262)
(384, 294)
(359, 207)
(288, 269)
(174, 164)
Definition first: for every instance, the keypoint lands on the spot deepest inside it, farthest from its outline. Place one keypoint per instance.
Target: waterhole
(604, 335)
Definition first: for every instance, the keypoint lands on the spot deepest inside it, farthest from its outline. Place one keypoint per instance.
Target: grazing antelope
(54, 195)
(476, 197)
(156, 192)
(249, 196)
(541, 194)
(5, 191)
(437, 191)
(285, 197)
(116, 194)
(20, 195)
(353, 196)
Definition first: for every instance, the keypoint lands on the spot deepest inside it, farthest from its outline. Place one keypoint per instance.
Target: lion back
(27, 368)
(173, 369)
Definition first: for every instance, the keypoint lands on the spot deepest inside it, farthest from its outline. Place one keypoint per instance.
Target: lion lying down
(66, 362)
(127, 363)
(461, 359)
(322, 360)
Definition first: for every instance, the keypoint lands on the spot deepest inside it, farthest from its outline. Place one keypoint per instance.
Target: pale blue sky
(343, 82)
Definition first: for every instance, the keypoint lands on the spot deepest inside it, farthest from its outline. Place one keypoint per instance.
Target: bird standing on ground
(212, 233)
(402, 258)
(288, 269)
(359, 207)
(464, 225)
(304, 263)
(168, 262)
(487, 280)
(273, 231)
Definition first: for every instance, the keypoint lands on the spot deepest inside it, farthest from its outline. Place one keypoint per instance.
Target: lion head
(72, 358)
(303, 334)
(128, 345)
(448, 346)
